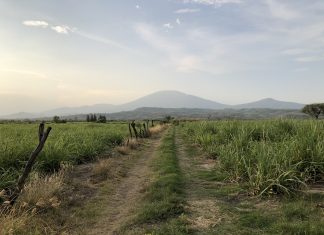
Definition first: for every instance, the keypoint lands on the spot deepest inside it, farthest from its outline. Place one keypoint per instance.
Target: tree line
(94, 118)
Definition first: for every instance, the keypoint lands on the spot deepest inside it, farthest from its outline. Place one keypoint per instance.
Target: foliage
(276, 156)
(102, 119)
(314, 110)
(91, 118)
(56, 119)
(74, 143)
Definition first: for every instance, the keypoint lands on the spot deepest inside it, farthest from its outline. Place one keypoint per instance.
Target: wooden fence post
(130, 130)
(42, 137)
(134, 129)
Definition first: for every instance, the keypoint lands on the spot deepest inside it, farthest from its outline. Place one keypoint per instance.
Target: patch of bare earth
(119, 205)
(202, 211)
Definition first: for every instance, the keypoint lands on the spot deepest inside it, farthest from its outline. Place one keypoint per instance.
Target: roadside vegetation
(68, 143)
(216, 205)
(269, 157)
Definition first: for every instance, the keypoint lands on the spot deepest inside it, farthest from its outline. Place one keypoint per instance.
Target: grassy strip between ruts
(162, 208)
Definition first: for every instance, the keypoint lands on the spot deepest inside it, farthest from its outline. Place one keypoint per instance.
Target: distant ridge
(269, 103)
(162, 99)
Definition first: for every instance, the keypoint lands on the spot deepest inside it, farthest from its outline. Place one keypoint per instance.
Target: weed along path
(120, 201)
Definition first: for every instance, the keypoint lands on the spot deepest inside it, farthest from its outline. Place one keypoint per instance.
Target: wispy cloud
(101, 40)
(35, 23)
(176, 54)
(281, 11)
(187, 10)
(310, 59)
(168, 25)
(178, 21)
(216, 3)
(63, 29)
(294, 51)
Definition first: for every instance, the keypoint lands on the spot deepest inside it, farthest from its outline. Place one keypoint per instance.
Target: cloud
(187, 10)
(309, 59)
(281, 11)
(35, 23)
(101, 40)
(168, 25)
(137, 7)
(63, 29)
(294, 51)
(216, 3)
(176, 53)
(178, 21)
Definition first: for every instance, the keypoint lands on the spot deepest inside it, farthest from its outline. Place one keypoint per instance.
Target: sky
(82, 52)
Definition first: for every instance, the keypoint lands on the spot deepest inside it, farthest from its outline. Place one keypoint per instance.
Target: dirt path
(202, 209)
(121, 203)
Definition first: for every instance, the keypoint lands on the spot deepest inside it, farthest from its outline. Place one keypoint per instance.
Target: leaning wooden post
(152, 123)
(42, 137)
(144, 131)
(134, 129)
(130, 130)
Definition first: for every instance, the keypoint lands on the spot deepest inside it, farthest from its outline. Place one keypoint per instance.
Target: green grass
(72, 143)
(273, 157)
(163, 204)
(243, 214)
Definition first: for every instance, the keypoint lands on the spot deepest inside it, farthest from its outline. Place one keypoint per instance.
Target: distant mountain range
(161, 99)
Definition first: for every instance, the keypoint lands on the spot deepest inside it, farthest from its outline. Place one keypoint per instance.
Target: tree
(314, 110)
(168, 119)
(88, 118)
(56, 119)
(102, 119)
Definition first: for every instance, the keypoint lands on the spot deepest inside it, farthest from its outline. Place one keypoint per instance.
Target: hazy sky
(75, 52)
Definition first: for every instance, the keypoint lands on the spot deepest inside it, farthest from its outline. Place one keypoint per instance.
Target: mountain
(186, 113)
(269, 103)
(161, 99)
(172, 99)
(97, 108)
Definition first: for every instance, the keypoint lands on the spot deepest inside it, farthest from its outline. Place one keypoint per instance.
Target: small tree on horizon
(314, 110)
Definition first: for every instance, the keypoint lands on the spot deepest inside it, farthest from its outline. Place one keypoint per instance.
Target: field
(187, 177)
(67, 143)
(271, 157)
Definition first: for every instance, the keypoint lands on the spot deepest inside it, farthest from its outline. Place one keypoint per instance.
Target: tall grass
(72, 143)
(275, 156)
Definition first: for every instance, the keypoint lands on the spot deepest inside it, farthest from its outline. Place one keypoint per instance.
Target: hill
(161, 99)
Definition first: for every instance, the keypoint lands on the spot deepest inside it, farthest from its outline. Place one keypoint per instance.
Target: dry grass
(14, 222)
(41, 191)
(102, 168)
(128, 145)
(39, 194)
(157, 129)
(204, 214)
(124, 150)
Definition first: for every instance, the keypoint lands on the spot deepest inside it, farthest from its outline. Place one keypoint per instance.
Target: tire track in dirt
(123, 201)
(202, 210)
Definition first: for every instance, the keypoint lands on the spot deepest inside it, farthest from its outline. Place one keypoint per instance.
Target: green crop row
(273, 156)
(72, 143)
